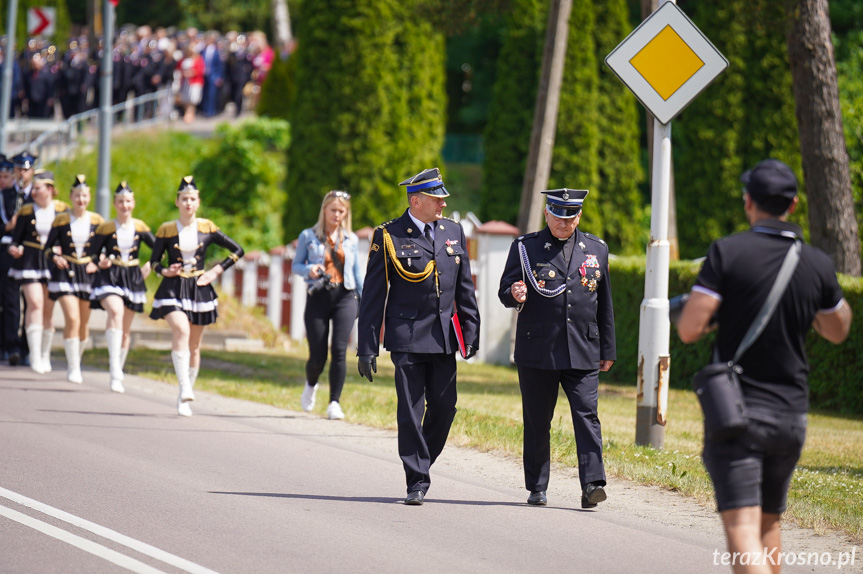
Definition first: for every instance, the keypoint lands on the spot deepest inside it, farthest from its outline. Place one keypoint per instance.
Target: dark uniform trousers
(539, 392)
(565, 327)
(10, 289)
(416, 314)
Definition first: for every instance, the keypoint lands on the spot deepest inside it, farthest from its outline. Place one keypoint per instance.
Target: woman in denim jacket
(327, 259)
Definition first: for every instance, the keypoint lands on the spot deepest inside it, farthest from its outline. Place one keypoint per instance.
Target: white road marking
(114, 536)
(78, 542)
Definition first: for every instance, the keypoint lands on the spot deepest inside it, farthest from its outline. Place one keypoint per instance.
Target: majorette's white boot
(114, 338)
(73, 360)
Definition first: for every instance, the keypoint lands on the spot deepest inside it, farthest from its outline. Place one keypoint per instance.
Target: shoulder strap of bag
(779, 286)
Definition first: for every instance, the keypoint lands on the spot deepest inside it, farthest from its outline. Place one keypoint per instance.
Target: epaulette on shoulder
(106, 228)
(527, 236)
(207, 226)
(141, 226)
(26, 209)
(96, 219)
(449, 219)
(60, 206)
(61, 219)
(167, 229)
(594, 238)
(384, 224)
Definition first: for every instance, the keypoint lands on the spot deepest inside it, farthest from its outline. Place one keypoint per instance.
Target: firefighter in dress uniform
(118, 284)
(185, 298)
(70, 283)
(9, 314)
(558, 281)
(418, 275)
(32, 270)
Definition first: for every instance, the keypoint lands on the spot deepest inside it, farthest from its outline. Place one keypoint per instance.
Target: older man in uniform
(418, 277)
(558, 280)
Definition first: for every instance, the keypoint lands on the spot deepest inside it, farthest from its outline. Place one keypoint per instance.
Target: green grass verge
(825, 494)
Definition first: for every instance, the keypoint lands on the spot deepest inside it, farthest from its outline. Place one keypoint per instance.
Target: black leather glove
(469, 351)
(366, 365)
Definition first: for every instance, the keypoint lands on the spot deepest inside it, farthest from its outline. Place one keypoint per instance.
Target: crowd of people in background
(204, 70)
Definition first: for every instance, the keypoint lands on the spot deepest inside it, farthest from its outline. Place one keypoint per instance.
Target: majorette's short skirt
(31, 267)
(126, 282)
(72, 281)
(183, 294)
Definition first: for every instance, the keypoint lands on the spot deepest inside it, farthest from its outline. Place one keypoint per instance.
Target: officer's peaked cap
(427, 182)
(24, 160)
(565, 202)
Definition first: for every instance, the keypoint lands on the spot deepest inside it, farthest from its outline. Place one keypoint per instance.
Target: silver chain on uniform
(526, 268)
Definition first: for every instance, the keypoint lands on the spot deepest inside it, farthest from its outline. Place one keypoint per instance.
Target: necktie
(428, 234)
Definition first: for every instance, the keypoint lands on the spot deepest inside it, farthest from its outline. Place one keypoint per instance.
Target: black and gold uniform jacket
(167, 243)
(25, 233)
(61, 234)
(412, 288)
(567, 320)
(105, 241)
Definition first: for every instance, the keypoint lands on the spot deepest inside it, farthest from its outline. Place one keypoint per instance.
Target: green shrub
(241, 173)
(835, 381)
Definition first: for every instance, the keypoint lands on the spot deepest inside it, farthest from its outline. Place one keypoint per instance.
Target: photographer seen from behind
(327, 259)
(752, 471)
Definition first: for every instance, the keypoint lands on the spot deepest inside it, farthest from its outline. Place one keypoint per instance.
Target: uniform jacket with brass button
(25, 226)
(168, 244)
(105, 240)
(573, 329)
(415, 318)
(61, 234)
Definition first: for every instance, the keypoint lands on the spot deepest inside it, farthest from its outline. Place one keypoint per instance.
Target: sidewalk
(150, 334)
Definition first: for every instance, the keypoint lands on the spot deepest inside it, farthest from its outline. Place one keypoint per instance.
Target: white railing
(59, 140)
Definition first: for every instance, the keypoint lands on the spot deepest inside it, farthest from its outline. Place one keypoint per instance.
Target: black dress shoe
(415, 498)
(14, 358)
(537, 498)
(592, 494)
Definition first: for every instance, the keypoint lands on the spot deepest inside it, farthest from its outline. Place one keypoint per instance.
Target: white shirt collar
(421, 225)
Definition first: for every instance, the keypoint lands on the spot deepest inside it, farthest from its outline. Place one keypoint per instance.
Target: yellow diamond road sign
(666, 62)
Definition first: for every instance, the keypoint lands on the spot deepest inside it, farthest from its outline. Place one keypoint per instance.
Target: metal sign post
(8, 61)
(103, 191)
(666, 62)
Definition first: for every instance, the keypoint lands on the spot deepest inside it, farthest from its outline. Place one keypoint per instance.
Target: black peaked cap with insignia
(427, 182)
(564, 203)
(24, 160)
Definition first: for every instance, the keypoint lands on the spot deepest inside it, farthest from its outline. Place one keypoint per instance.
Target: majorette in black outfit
(32, 227)
(119, 283)
(69, 276)
(120, 244)
(72, 234)
(188, 246)
(185, 298)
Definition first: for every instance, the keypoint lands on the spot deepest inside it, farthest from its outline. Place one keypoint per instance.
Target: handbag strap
(779, 286)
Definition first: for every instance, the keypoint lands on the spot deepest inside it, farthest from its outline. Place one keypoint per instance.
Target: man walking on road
(752, 472)
(558, 280)
(419, 273)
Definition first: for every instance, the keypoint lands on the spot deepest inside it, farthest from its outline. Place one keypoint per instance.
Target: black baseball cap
(768, 180)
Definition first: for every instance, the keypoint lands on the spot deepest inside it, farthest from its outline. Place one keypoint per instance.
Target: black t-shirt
(740, 270)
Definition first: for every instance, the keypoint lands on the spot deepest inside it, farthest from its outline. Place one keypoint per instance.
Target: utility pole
(282, 25)
(545, 116)
(103, 191)
(8, 62)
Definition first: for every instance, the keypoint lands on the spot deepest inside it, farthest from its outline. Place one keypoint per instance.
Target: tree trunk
(282, 25)
(832, 223)
(538, 165)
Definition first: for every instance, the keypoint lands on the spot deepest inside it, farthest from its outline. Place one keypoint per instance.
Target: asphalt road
(92, 481)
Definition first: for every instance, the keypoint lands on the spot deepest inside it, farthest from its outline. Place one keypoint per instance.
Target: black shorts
(755, 468)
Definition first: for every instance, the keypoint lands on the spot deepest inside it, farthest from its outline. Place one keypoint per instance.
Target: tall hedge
(575, 163)
(834, 379)
(745, 116)
(617, 195)
(369, 109)
(507, 133)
